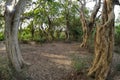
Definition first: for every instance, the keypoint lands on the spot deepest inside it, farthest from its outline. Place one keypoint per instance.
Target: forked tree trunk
(104, 42)
(12, 19)
(87, 25)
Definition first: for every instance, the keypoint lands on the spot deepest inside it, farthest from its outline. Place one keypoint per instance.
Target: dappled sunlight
(2, 48)
(53, 55)
(63, 62)
(58, 59)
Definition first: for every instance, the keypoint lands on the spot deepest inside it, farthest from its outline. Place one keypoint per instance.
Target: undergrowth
(118, 67)
(80, 63)
(8, 73)
(5, 71)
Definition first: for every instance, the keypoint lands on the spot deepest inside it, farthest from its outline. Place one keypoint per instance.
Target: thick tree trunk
(12, 20)
(104, 42)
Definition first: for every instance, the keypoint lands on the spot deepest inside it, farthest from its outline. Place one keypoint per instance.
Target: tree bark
(13, 12)
(67, 33)
(104, 42)
(32, 27)
(51, 32)
(87, 25)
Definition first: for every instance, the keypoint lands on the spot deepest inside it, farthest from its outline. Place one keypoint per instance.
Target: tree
(13, 11)
(87, 25)
(46, 13)
(104, 42)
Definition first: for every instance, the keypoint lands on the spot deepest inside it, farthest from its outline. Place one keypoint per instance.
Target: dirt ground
(51, 61)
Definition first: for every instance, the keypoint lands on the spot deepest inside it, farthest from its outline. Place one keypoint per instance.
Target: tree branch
(111, 17)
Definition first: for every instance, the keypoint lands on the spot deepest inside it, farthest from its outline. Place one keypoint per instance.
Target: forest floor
(54, 61)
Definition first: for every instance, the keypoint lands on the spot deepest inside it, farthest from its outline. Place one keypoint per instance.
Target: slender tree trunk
(45, 33)
(67, 26)
(85, 36)
(104, 42)
(51, 32)
(12, 20)
(32, 30)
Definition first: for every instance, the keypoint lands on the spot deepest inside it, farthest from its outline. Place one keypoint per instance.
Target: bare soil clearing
(51, 61)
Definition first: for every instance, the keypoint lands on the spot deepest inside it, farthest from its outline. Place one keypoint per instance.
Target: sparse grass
(7, 73)
(117, 49)
(118, 67)
(79, 63)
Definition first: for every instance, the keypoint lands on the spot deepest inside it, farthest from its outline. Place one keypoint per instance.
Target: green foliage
(54, 15)
(76, 33)
(75, 29)
(79, 63)
(1, 28)
(1, 36)
(62, 36)
(40, 39)
(117, 35)
(25, 35)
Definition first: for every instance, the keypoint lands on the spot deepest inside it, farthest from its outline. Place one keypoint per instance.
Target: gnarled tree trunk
(87, 25)
(104, 41)
(13, 12)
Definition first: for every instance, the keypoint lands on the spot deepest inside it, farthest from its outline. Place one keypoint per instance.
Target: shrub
(1, 36)
(78, 63)
(117, 35)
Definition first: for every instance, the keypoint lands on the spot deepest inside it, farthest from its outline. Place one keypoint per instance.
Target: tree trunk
(87, 25)
(12, 20)
(32, 30)
(85, 36)
(67, 15)
(67, 33)
(104, 41)
(51, 32)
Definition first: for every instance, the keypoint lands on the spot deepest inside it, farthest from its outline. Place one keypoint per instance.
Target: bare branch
(98, 16)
